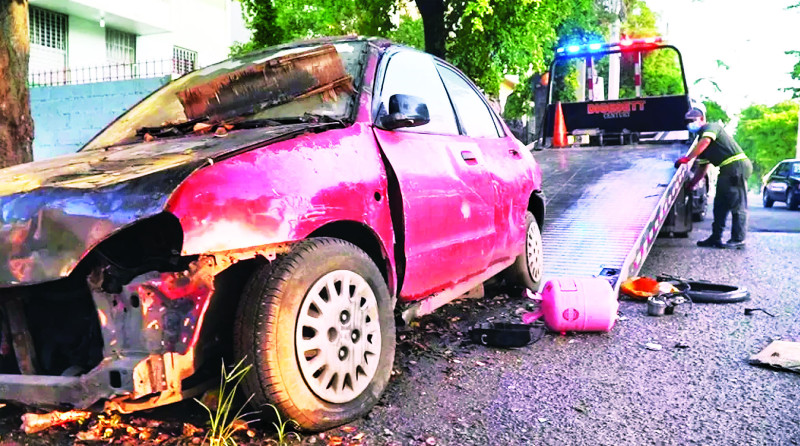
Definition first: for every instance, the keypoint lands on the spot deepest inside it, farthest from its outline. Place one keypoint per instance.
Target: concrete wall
(67, 117)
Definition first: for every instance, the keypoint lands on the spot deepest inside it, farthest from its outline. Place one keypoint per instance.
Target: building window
(120, 46)
(48, 28)
(183, 60)
(48, 38)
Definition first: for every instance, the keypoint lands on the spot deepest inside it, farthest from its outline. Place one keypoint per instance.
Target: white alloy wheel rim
(533, 250)
(338, 336)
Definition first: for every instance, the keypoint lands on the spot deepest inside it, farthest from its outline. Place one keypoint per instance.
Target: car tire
(768, 202)
(528, 268)
(317, 325)
(792, 200)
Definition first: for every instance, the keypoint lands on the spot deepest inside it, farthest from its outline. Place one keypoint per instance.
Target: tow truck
(612, 186)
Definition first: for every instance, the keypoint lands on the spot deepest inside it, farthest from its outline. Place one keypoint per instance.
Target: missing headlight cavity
(153, 244)
(55, 330)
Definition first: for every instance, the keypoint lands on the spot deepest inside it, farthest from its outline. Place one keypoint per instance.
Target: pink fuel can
(577, 304)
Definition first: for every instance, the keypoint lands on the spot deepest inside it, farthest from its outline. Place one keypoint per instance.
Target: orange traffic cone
(560, 128)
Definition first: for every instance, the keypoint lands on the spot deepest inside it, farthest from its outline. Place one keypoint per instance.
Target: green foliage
(661, 74)
(661, 70)
(715, 112)
(281, 426)
(279, 22)
(409, 32)
(518, 103)
(492, 38)
(640, 20)
(486, 39)
(767, 135)
(222, 424)
(795, 72)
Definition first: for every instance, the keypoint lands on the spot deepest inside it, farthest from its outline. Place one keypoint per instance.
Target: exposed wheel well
(536, 206)
(361, 236)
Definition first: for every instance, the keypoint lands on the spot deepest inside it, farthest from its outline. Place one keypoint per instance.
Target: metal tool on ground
(665, 304)
(750, 311)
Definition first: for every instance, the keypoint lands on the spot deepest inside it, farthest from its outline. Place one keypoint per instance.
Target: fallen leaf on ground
(35, 422)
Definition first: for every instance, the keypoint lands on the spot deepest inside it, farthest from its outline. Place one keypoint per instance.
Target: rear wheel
(768, 202)
(317, 325)
(528, 268)
(792, 200)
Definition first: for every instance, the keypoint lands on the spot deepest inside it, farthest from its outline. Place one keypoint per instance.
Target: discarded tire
(712, 293)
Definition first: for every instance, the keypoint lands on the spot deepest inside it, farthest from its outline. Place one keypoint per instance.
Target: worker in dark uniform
(716, 147)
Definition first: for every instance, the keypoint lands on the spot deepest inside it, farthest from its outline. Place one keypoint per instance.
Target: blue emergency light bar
(622, 45)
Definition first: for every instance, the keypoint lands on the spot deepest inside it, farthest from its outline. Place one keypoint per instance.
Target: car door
(506, 163)
(448, 230)
(778, 182)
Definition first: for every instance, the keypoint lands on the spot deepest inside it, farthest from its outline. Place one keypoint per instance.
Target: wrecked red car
(274, 207)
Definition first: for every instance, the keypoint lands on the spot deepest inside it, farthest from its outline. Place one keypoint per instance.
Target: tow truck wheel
(528, 268)
(317, 326)
(768, 202)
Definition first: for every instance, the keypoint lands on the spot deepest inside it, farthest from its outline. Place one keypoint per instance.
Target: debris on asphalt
(750, 311)
(36, 422)
(784, 355)
(681, 345)
(653, 346)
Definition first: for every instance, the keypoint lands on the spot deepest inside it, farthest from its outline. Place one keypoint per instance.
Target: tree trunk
(432, 12)
(16, 124)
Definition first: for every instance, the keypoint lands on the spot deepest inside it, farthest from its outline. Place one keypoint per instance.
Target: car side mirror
(404, 111)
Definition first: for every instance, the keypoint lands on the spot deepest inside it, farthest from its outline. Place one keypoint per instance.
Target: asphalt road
(607, 388)
(585, 388)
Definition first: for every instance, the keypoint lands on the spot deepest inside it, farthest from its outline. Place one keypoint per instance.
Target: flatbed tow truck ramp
(606, 204)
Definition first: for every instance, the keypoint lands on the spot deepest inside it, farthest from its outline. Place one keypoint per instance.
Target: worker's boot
(734, 244)
(711, 242)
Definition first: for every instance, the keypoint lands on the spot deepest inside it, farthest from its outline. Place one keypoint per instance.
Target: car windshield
(273, 86)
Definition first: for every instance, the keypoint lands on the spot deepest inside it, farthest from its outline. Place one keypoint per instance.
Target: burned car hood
(53, 212)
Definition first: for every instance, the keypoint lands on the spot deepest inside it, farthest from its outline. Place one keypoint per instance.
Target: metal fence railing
(110, 72)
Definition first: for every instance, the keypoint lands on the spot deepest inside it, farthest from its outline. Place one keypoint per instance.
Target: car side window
(472, 111)
(413, 73)
(795, 168)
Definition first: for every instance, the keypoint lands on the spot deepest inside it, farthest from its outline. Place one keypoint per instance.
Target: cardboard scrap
(779, 354)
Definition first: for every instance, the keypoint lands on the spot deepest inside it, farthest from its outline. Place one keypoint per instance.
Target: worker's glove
(682, 160)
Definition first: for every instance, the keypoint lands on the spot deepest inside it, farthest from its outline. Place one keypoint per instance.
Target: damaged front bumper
(151, 334)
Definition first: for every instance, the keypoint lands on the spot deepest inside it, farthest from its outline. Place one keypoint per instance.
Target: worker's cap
(698, 110)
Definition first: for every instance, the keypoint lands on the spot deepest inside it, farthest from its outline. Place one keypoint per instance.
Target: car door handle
(469, 157)
(514, 153)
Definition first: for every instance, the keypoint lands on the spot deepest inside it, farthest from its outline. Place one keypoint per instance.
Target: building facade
(81, 41)
(91, 60)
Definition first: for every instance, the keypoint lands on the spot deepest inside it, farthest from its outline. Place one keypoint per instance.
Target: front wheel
(792, 200)
(768, 202)
(528, 268)
(317, 325)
